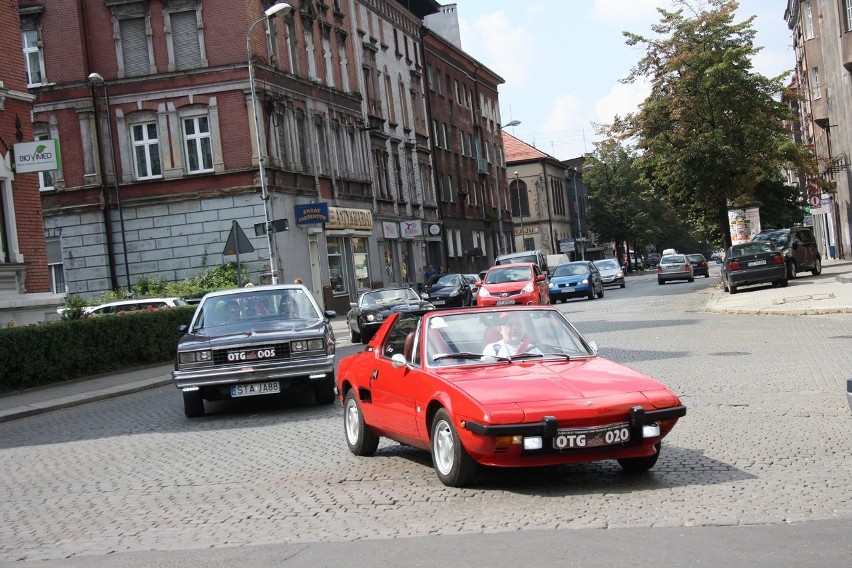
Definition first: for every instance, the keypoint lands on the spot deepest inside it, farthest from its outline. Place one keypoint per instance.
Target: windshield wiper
(462, 355)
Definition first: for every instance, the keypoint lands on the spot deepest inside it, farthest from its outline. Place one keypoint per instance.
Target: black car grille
(282, 351)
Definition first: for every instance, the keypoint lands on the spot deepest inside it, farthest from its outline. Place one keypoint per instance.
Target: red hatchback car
(509, 284)
(500, 387)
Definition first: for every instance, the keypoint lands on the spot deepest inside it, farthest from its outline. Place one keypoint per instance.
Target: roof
(517, 151)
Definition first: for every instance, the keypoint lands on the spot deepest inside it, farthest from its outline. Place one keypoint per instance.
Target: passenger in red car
(514, 340)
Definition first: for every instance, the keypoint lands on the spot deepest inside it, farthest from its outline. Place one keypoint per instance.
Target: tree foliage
(712, 131)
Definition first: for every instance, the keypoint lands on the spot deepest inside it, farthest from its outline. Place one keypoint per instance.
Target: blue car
(574, 279)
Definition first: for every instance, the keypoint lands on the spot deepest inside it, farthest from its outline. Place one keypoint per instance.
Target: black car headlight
(304, 346)
(374, 317)
(195, 357)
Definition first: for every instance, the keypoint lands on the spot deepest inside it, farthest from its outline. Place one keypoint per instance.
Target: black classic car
(374, 306)
(255, 341)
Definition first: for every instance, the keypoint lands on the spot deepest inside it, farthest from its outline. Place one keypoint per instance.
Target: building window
(847, 9)
(291, 45)
(361, 258)
(520, 199)
(309, 53)
(197, 144)
(54, 264)
(815, 89)
(389, 97)
(135, 55)
(45, 179)
(334, 246)
(327, 56)
(321, 148)
(344, 62)
(808, 19)
(146, 150)
(33, 57)
(184, 35)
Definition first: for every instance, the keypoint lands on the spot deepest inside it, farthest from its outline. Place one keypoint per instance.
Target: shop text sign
(38, 156)
(312, 213)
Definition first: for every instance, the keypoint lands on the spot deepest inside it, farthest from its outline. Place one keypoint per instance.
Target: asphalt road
(757, 474)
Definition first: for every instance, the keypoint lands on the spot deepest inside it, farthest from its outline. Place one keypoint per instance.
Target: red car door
(393, 388)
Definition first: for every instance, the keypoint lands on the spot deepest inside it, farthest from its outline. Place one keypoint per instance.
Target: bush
(70, 349)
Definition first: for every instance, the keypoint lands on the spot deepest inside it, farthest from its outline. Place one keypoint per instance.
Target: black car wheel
(454, 466)
(732, 289)
(360, 438)
(193, 404)
(817, 270)
(638, 465)
(601, 293)
(622, 285)
(783, 283)
(354, 336)
(792, 269)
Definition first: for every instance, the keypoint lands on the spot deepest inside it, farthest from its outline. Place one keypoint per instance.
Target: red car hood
(494, 289)
(557, 387)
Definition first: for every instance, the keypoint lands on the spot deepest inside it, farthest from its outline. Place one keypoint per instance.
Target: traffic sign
(814, 200)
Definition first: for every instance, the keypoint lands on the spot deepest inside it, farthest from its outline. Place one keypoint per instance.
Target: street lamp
(520, 209)
(280, 8)
(579, 241)
(499, 205)
(95, 79)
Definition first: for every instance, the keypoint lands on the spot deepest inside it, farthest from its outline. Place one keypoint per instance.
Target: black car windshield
(256, 308)
(570, 270)
(446, 281)
(778, 238)
(753, 247)
(383, 297)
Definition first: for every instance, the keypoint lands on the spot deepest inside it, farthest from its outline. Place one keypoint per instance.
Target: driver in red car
(514, 339)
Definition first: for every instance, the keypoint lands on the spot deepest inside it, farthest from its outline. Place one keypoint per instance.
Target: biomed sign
(38, 156)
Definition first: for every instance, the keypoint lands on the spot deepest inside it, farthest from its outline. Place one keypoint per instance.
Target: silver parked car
(611, 273)
(674, 267)
(255, 341)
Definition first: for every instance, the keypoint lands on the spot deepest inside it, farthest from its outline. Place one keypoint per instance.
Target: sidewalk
(829, 293)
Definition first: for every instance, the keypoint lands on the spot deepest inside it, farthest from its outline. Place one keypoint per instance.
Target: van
(554, 260)
(537, 257)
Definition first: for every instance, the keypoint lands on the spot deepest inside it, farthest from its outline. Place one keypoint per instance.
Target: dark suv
(798, 246)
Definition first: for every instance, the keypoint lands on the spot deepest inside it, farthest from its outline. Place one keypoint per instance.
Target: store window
(362, 263)
(335, 265)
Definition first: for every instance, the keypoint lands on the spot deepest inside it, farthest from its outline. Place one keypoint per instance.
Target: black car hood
(261, 333)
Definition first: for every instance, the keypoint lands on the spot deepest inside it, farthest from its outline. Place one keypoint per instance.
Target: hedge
(68, 350)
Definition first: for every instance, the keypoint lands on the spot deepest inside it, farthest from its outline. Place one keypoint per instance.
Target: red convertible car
(503, 387)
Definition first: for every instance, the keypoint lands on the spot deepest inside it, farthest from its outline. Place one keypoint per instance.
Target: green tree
(712, 130)
(617, 209)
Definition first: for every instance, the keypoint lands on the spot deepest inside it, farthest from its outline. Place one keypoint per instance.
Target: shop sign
(349, 218)
(38, 156)
(312, 213)
(411, 229)
(390, 230)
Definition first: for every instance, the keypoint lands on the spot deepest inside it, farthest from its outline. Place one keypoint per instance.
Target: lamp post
(499, 205)
(280, 8)
(579, 241)
(95, 79)
(520, 208)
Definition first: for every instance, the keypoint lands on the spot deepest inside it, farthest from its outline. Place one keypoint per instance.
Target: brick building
(25, 283)
(160, 158)
(470, 168)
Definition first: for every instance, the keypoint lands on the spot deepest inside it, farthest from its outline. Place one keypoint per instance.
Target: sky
(562, 60)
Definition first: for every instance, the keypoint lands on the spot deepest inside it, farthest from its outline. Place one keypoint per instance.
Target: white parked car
(133, 305)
